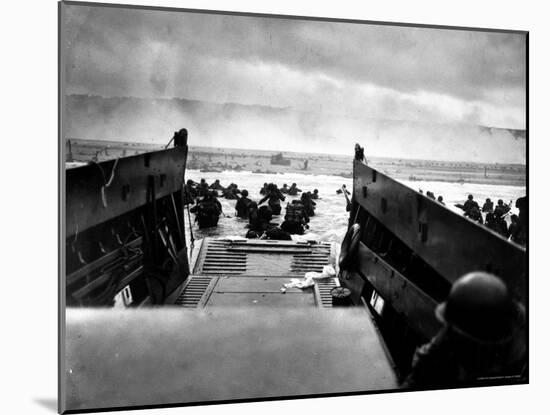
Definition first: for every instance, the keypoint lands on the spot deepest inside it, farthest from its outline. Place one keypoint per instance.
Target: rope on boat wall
(106, 183)
(191, 237)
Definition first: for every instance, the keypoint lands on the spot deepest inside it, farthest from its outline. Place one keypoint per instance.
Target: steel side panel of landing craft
(453, 245)
(128, 190)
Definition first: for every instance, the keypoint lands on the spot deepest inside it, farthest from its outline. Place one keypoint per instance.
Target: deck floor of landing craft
(254, 273)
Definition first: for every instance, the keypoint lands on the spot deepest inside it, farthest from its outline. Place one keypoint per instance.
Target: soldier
(521, 204)
(490, 222)
(277, 234)
(309, 205)
(501, 209)
(217, 186)
(514, 229)
(265, 214)
(298, 209)
(254, 221)
(343, 189)
(251, 234)
(440, 200)
(274, 197)
(482, 337)
(284, 189)
(474, 214)
(521, 233)
(208, 210)
(487, 206)
(189, 193)
(231, 192)
(202, 188)
(293, 190)
(315, 194)
(502, 226)
(263, 190)
(242, 205)
(293, 224)
(470, 204)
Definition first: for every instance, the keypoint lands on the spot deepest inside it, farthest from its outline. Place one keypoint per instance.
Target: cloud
(359, 70)
(267, 128)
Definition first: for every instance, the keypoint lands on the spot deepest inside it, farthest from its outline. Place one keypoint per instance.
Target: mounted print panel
(261, 207)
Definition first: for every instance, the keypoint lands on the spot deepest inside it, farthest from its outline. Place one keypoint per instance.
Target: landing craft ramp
(176, 355)
(253, 273)
(231, 334)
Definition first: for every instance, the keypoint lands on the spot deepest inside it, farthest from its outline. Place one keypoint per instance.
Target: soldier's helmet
(479, 307)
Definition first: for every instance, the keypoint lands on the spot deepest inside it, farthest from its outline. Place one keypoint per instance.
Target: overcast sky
(361, 69)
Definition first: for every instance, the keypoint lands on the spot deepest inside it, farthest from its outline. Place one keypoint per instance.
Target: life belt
(350, 245)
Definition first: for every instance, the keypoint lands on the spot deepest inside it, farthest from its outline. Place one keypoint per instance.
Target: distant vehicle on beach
(280, 160)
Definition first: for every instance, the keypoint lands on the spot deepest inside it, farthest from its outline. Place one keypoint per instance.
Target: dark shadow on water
(48, 403)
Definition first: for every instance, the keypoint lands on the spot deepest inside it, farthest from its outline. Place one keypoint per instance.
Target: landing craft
(280, 160)
(153, 318)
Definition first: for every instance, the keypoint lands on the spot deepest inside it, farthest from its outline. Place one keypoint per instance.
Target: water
(328, 224)
(330, 220)
(457, 193)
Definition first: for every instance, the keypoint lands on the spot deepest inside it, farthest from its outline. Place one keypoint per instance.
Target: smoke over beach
(270, 128)
(295, 85)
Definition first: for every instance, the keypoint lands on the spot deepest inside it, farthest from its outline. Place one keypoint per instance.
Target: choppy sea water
(330, 220)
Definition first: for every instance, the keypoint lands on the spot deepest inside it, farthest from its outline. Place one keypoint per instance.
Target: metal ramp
(248, 291)
(250, 273)
(260, 257)
(194, 291)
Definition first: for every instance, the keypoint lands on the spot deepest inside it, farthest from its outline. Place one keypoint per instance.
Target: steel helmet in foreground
(480, 307)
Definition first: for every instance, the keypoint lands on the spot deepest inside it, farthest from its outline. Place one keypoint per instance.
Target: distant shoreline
(259, 161)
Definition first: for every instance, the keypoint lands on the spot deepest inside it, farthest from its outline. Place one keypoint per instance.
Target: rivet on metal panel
(375, 259)
(384, 205)
(162, 180)
(147, 159)
(392, 274)
(364, 191)
(125, 192)
(374, 176)
(423, 232)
